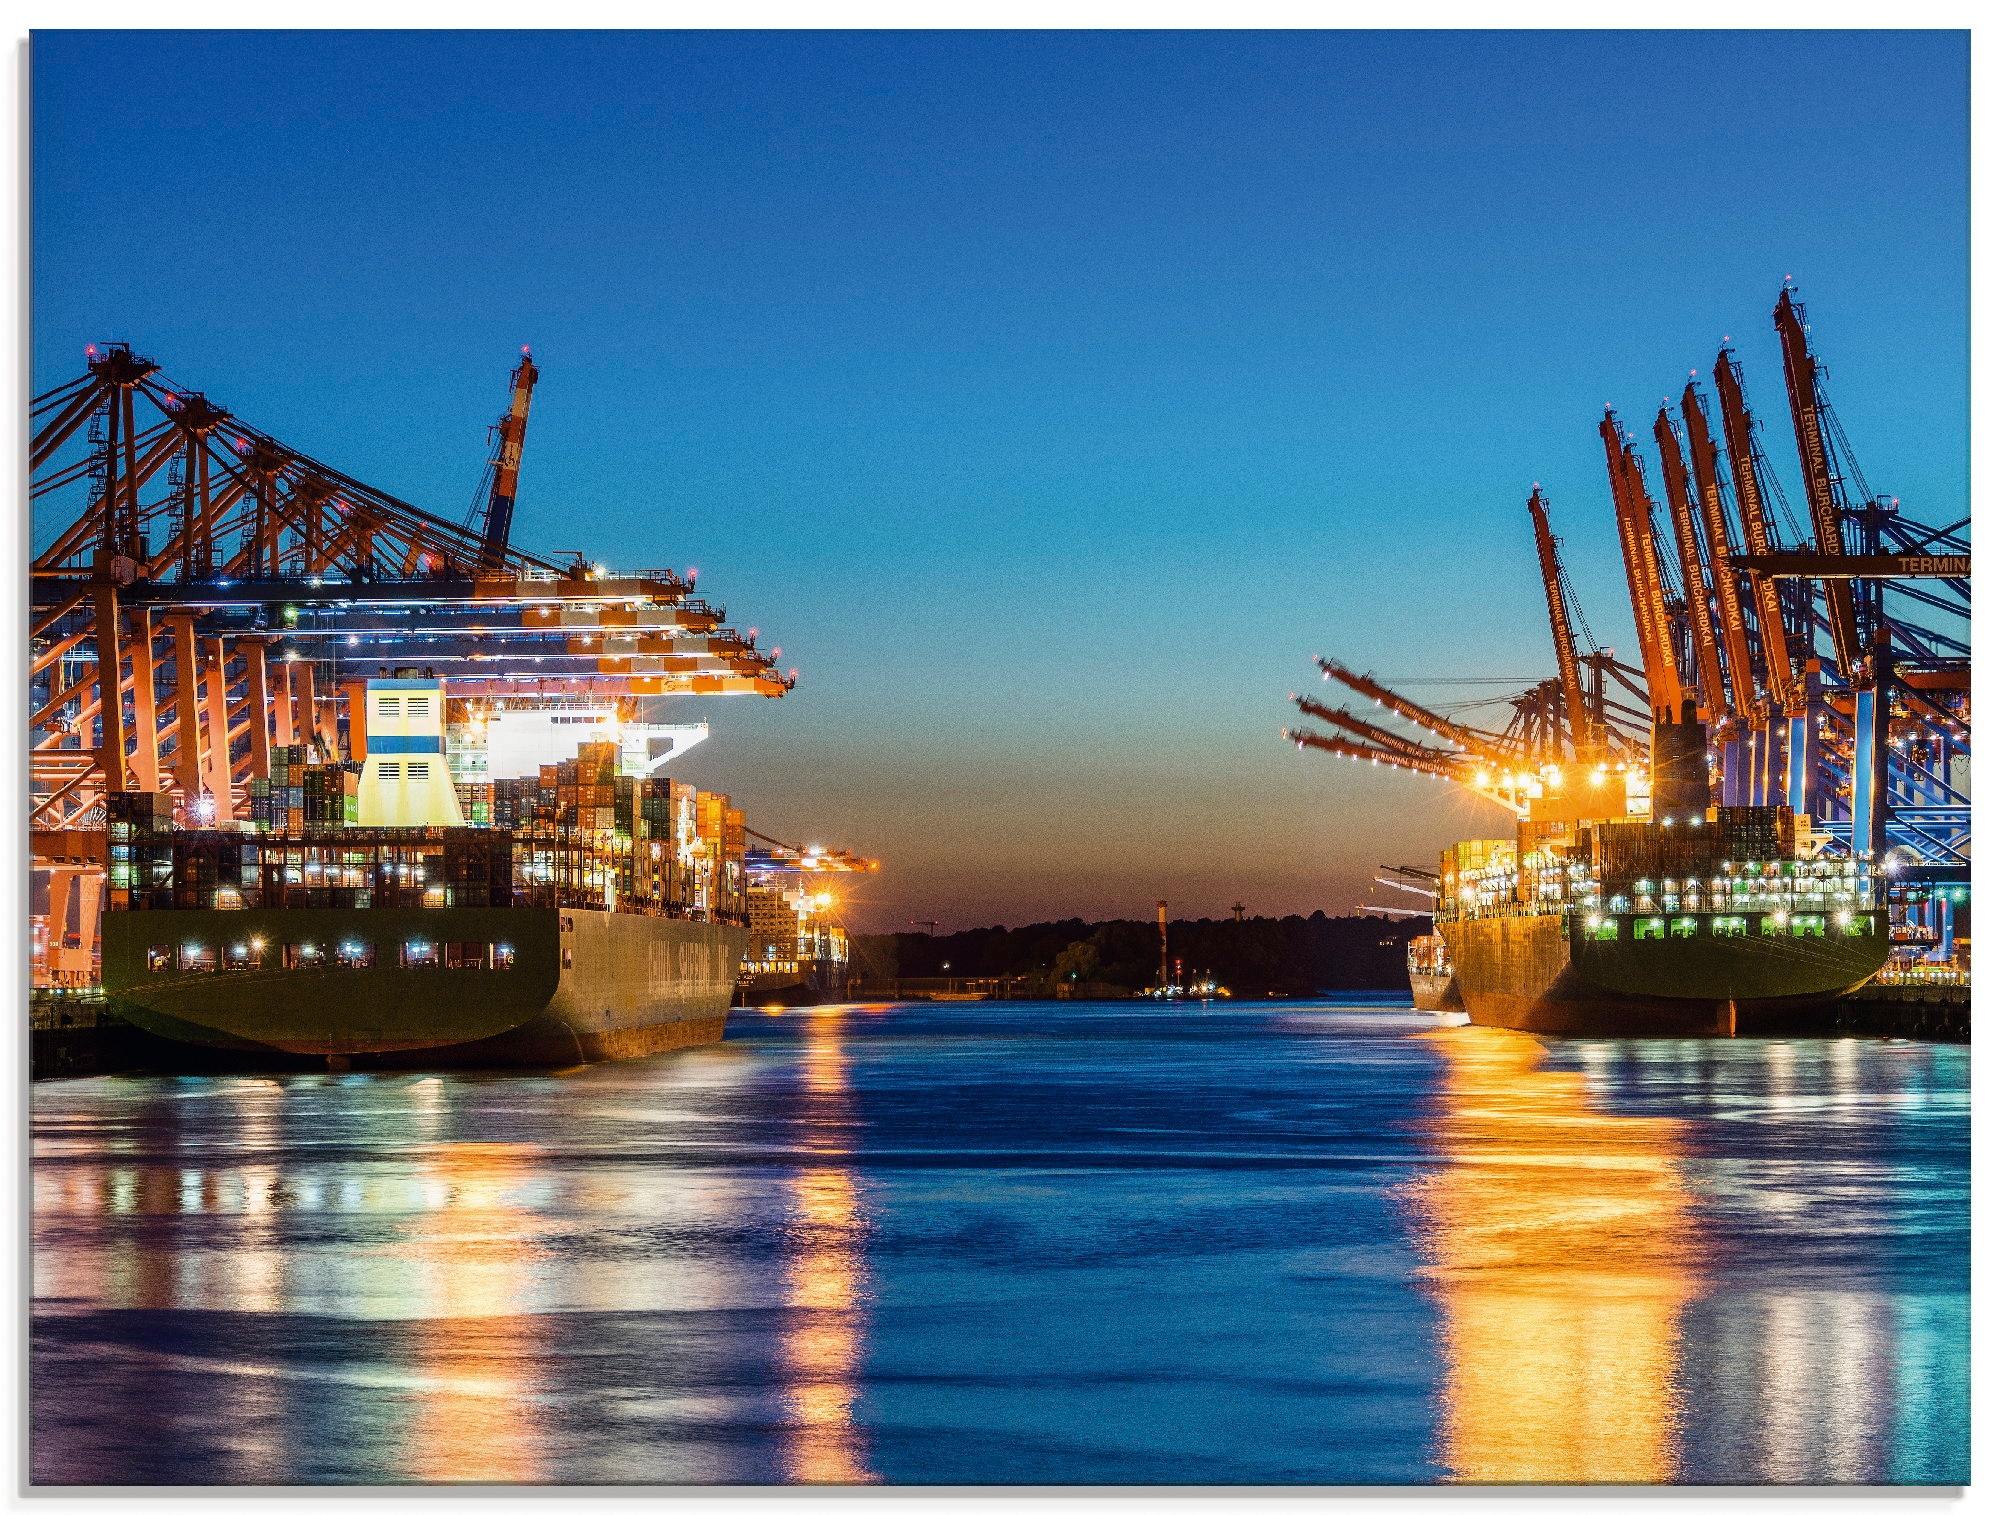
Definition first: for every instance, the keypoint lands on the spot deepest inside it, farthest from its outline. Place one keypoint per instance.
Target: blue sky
(1050, 398)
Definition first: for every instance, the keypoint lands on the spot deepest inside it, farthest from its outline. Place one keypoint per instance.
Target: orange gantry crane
(1715, 700)
(1823, 484)
(1583, 729)
(210, 593)
(1638, 541)
(1780, 771)
(506, 470)
(1746, 704)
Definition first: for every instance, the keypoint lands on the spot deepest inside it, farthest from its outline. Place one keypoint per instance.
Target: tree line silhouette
(1285, 956)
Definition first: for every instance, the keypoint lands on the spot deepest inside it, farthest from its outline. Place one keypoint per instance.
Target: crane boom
(1694, 577)
(1802, 385)
(1389, 740)
(1479, 744)
(1356, 750)
(1779, 676)
(1703, 455)
(1582, 735)
(1642, 570)
(507, 467)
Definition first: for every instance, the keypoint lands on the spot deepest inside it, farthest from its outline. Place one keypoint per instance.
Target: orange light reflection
(475, 1416)
(1561, 1248)
(826, 1281)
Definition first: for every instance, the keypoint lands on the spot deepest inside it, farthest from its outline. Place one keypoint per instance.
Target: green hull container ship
(608, 920)
(1710, 926)
(423, 988)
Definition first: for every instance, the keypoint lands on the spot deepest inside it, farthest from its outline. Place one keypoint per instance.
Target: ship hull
(584, 986)
(1528, 974)
(1431, 991)
(820, 983)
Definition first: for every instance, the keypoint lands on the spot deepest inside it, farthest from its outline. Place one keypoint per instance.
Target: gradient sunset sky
(1049, 398)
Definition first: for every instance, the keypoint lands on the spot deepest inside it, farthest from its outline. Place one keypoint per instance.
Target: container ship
(1430, 971)
(357, 921)
(1689, 920)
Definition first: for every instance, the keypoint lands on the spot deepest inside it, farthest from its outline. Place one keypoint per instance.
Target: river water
(1019, 1243)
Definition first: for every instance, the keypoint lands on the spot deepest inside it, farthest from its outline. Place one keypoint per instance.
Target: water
(1018, 1243)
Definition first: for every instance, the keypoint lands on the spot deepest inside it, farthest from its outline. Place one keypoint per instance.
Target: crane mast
(1583, 734)
(507, 467)
(1694, 579)
(1642, 571)
(1703, 455)
(1779, 677)
(1822, 493)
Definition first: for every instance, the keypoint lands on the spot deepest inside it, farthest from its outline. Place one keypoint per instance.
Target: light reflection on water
(1562, 1244)
(473, 1337)
(826, 1280)
(1019, 1243)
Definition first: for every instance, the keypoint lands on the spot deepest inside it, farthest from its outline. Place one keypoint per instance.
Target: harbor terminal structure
(319, 774)
(1766, 822)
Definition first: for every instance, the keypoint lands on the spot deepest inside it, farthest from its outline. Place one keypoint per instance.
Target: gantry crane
(1638, 543)
(1583, 728)
(1867, 739)
(1825, 488)
(1773, 768)
(1503, 766)
(209, 593)
(505, 468)
(1715, 703)
(1749, 709)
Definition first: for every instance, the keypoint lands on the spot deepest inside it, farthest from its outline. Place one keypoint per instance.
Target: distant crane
(506, 468)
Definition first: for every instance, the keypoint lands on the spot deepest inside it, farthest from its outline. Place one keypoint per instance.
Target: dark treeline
(1295, 955)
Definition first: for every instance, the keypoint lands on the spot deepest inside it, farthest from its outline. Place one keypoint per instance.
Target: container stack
(1765, 833)
(475, 800)
(354, 867)
(513, 801)
(139, 838)
(579, 835)
(302, 794)
(332, 795)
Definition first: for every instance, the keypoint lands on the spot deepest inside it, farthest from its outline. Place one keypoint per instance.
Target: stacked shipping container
(302, 793)
(582, 836)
